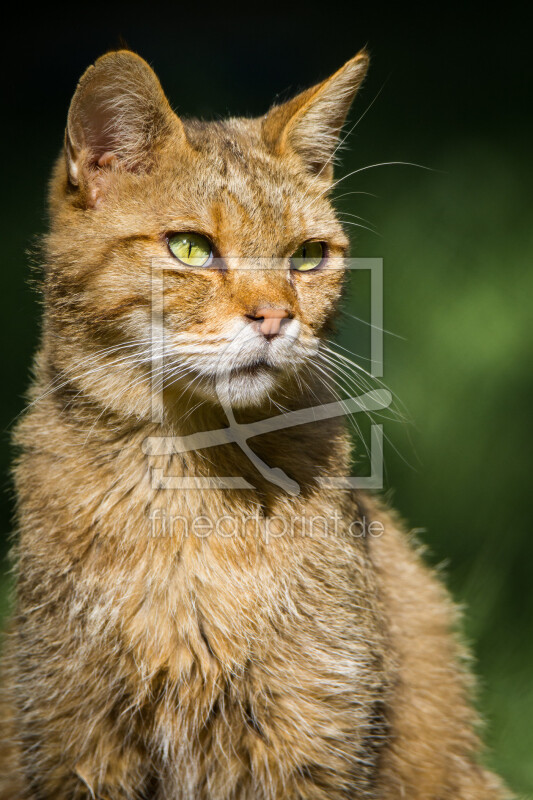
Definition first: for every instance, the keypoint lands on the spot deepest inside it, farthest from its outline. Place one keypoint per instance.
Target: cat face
(210, 250)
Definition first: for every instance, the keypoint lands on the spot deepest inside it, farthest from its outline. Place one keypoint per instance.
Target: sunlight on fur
(223, 664)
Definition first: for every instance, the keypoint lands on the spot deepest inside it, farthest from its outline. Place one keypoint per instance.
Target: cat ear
(309, 124)
(118, 118)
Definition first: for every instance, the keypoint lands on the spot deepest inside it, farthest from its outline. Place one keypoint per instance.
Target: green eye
(191, 249)
(308, 256)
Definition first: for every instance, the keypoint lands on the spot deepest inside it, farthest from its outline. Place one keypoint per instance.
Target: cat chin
(246, 388)
(251, 391)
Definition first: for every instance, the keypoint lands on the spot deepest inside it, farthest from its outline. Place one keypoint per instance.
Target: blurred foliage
(457, 244)
(458, 287)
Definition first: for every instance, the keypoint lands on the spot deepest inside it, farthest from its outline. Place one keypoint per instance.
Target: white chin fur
(247, 390)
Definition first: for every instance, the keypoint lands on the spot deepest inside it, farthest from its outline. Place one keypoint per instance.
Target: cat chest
(196, 608)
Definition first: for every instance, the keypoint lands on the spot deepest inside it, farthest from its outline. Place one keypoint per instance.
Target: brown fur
(245, 666)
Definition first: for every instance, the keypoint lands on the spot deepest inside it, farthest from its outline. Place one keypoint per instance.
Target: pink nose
(270, 319)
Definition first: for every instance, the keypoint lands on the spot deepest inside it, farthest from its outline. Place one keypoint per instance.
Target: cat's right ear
(118, 119)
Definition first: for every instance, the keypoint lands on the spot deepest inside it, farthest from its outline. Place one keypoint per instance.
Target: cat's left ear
(309, 125)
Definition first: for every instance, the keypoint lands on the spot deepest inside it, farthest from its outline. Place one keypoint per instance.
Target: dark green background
(456, 243)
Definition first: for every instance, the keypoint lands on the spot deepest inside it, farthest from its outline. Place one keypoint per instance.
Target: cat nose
(269, 320)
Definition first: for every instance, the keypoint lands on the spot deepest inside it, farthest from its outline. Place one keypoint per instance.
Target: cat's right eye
(192, 249)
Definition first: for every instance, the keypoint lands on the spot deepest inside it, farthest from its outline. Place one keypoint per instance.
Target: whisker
(356, 216)
(397, 417)
(56, 385)
(370, 325)
(346, 194)
(353, 365)
(379, 164)
(358, 225)
(351, 417)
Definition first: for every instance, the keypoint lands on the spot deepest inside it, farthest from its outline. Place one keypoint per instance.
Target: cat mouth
(261, 368)
(253, 370)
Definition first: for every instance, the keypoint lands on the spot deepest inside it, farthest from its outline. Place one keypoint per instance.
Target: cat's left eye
(308, 256)
(192, 249)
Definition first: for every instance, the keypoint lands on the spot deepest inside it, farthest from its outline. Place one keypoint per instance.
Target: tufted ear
(309, 125)
(118, 118)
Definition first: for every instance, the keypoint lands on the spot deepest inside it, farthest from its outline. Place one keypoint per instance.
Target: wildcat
(146, 662)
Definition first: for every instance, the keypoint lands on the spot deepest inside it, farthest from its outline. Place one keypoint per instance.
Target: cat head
(209, 249)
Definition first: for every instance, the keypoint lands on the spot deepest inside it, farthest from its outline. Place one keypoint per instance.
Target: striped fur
(256, 663)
